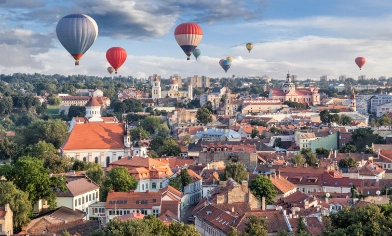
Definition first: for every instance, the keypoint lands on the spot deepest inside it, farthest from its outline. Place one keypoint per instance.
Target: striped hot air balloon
(77, 33)
(116, 56)
(188, 36)
(226, 65)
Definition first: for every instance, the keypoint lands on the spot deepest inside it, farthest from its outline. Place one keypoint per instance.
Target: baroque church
(173, 90)
(100, 139)
(288, 92)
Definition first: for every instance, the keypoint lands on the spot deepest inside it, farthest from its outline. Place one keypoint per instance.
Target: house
(166, 201)
(152, 174)
(60, 220)
(6, 223)
(80, 194)
(215, 134)
(192, 192)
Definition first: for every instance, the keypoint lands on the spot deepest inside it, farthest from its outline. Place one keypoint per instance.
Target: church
(173, 91)
(99, 139)
(288, 92)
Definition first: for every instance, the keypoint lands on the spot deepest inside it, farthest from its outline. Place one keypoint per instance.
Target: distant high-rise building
(152, 78)
(178, 79)
(382, 78)
(342, 78)
(361, 77)
(293, 78)
(323, 78)
(199, 81)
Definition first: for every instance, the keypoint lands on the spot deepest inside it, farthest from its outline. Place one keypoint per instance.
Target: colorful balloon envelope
(116, 56)
(226, 65)
(110, 70)
(229, 58)
(188, 36)
(196, 53)
(77, 33)
(249, 46)
(220, 62)
(360, 61)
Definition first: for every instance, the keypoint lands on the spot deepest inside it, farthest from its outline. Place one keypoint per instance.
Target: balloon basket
(76, 63)
(188, 59)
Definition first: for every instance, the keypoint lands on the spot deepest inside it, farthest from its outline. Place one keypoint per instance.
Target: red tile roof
(93, 102)
(95, 136)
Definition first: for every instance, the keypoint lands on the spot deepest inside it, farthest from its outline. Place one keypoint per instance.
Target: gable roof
(77, 185)
(95, 136)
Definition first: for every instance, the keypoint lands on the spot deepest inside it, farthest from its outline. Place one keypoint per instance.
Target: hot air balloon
(110, 70)
(249, 46)
(196, 53)
(220, 62)
(229, 58)
(116, 56)
(188, 36)
(360, 61)
(77, 32)
(226, 65)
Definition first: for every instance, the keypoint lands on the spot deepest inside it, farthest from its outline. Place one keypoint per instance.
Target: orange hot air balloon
(360, 61)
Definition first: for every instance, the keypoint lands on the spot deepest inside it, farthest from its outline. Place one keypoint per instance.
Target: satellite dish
(378, 192)
(327, 195)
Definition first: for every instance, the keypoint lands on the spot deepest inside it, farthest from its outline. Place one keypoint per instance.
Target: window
(80, 201)
(89, 197)
(107, 161)
(143, 187)
(96, 159)
(86, 198)
(84, 159)
(76, 202)
(154, 185)
(96, 195)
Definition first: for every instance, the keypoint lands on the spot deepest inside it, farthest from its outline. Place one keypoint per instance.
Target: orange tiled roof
(95, 136)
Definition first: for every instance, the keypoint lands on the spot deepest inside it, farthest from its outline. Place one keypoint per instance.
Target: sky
(308, 38)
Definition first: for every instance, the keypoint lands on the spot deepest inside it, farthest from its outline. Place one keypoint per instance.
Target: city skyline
(305, 38)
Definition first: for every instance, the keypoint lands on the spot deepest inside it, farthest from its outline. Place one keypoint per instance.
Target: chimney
(263, 203)
(244, 185)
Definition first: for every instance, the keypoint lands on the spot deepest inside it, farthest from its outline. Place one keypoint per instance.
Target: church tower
(353, 101)
(173, 85)
(93, 109)
(138, 148)
(127, 135)
(228, 105)
(156, 88)
(288, 85)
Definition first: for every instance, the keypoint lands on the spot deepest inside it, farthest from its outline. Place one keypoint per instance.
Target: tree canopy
(235, 170)
(169, 148)
(204, 116)
(262, 186)
(119, 180)
(180, 181)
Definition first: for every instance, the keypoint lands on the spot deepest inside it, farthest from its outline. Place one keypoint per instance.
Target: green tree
(347, 162)
(348, 148)
(54, 100)
(156, 143)
(57, 164)
(282, 232)
(255, 132)
(204, 116)
(322, 151)
(273, 130)
(151, 124)
(163, 130)
(235, 170)
(95, 173)
(7, 123)
(119, 180)
(65, 233)
(311, 158)
(325, 116)
(385, 120)
(180, 181)
(182, 229)
(262, 186)
(30, 176)
(363, 137)
(278, 143)
(301, 229)
(76, 111)
(345, 120)
(7, 149)
(298, 159)
(18, 201)
(255, 226)
(169, 148)
(136, 132)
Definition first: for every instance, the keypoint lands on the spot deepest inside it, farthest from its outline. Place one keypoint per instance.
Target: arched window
(84, 159)
(153, 185)
(107, 161)
(96, 159)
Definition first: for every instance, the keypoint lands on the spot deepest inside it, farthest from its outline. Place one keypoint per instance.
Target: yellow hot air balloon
(229, 58)
(249, 46)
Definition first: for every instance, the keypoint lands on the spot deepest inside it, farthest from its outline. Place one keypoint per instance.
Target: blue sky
(309, 38)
